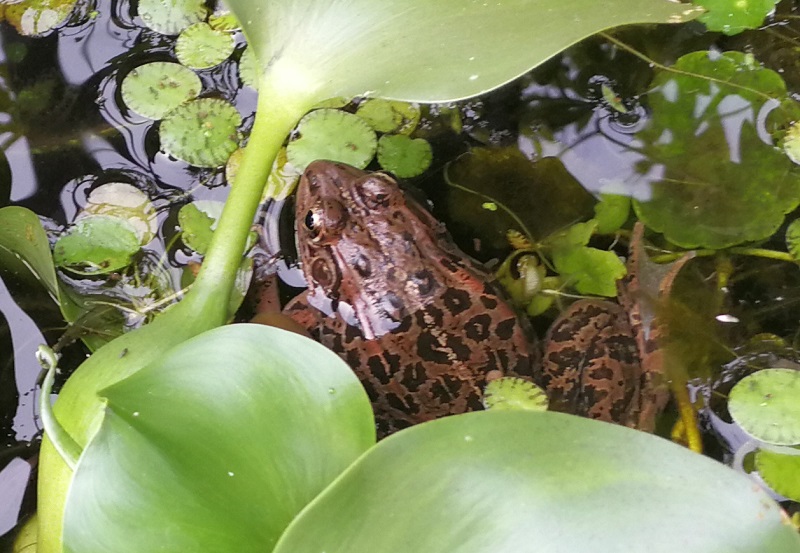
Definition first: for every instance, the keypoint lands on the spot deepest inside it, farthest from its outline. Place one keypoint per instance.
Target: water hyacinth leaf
(334, 135)
(623, 497)
(404, 156)
(223, 458)
(197, 221)
(124, 201)
(25, 250)
(202, 132)
(199, 46)
(708, 189)
(424, 51)
(766, 404)
(781, 472)
(734, 16)
(96, 244)
(510, 393)
(38, 17)
(173, 16)
(154, 89)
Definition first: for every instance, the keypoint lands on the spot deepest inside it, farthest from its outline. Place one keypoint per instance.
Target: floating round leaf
(514, 394)
(714, 181)
(224, 21)
(248, 68)
(732, 17)
(404, 156)
(201, 132)
(781, 472)
(200, 47)
(96, 244)
(791, 142)
(154, 89)
(334, 135)
(390, 116)
(793, 238)
(766, 404)
(170, 18)
(380, 114)
(40, 17)
(124, 201)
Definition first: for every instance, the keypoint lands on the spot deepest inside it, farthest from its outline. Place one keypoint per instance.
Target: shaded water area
(532, 156)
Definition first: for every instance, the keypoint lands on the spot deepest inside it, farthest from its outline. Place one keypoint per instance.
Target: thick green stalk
(79, 409)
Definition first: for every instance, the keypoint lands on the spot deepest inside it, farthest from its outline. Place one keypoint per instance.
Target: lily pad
(711, 191)
(405, 157)
(202, 132)
(248, 68)
(766, 404)
(781, 472)
(154, 89)
(38, 17)
(96, 244)
(734, 16)
(388, 116)
(124, 201)
(611, 212)
(334, 135)
(173, 16)
(514, 394)
(200, 46)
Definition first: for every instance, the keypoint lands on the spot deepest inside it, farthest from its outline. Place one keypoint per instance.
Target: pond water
(525, 155)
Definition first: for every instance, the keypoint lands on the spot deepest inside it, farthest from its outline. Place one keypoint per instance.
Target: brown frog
(422, 324)
(602, 359)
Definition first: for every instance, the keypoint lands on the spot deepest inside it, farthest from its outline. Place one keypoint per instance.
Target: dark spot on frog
(322, 274)
(396, 403)
(363, 266)
(477, 328)
(414, 376)
(457, 346)
(505, 329)
(456, 301)
(424, 282)
(429, 349)
(377, 369)
(488, 302)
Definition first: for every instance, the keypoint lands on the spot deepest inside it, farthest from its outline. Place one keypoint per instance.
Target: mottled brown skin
(602, 360)
(427, 326)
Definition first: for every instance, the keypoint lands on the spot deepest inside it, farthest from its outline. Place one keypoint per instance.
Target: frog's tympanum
(423, 325)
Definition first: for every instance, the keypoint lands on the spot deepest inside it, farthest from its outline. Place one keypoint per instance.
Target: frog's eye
(325, 219)
(377, 191)
(312, 220)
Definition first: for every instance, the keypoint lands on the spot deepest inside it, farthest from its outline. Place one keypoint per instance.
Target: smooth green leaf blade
(24, 248)
(507, 481)
(218, 445)
(420, 50)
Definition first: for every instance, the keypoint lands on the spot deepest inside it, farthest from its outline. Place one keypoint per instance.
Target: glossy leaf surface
(522, 481)
(217, 446)
(419, 50)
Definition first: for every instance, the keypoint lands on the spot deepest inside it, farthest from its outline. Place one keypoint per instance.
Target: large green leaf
(523, 481)
(25, 250)
(424, 50)
(217, 446)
